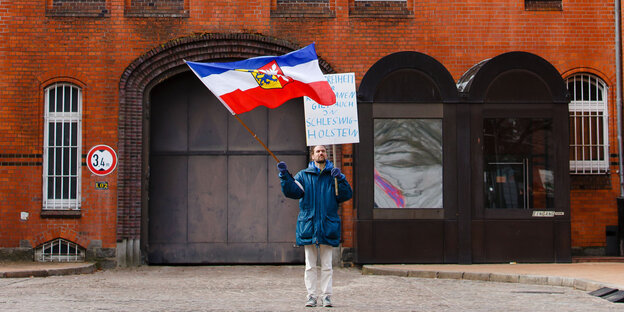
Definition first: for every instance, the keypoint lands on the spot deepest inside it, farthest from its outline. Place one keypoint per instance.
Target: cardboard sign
(338, 123)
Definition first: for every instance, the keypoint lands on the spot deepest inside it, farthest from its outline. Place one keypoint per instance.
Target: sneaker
(327, 302)
(311, 302)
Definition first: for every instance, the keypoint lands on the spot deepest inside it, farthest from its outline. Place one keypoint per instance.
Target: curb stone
(86, 269)
(476, 276)
(504, 278)
(450, 275)
(422, 274)
(576, 283)
(533, 279)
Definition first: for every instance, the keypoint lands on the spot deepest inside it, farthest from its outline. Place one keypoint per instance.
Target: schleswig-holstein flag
(266, 80)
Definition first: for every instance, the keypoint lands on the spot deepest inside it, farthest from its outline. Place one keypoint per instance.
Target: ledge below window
(61, 213)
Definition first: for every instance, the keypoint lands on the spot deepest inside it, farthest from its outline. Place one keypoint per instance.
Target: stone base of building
(104, 258)
(18, 254)
(588, 251)
(129, 252)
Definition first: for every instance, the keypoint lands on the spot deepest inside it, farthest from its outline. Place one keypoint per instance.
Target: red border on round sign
(97, 148)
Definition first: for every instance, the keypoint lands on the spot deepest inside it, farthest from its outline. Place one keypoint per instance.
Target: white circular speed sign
(101, 160)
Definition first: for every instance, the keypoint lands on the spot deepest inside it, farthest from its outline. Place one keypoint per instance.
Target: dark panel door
(214, 195)
(519, 184)
(401, 184)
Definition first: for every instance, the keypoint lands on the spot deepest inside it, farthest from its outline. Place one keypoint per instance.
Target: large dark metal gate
(214, 195)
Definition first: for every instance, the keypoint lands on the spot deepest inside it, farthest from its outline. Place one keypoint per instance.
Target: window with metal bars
(62, 143)
(589, 135)
(59, 250)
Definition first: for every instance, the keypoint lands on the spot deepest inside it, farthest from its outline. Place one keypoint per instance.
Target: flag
(266, 80)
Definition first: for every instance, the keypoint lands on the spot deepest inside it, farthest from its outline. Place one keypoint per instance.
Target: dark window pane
(58, 135)
(57, 188)
(66, 159)
(599, 92)
(586, 92)
(51, 97)
(71, 248)
(51, 134)
(74, 134)
(67, 99)
(65, 188)
(599, 128)
(74, 187)
(58, 151)
(59, 99)
(51, 161)
(73, 163)
(67, 134)
(50, 188)
(51, 249)
(74, 107)
(518, 163)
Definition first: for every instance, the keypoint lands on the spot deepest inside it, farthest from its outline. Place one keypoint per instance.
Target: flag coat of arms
(266, 80)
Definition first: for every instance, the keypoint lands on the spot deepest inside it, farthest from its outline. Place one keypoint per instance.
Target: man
(318, 223)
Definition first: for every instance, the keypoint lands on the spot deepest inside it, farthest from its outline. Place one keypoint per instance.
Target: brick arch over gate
(148, 70)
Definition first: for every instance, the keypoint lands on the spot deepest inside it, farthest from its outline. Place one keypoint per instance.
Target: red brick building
(76, 74)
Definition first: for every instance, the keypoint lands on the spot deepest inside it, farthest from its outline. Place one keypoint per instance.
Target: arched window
(589, 135)
(62, 144)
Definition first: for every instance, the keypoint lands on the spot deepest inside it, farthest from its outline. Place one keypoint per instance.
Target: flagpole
(334, 155)
(256, 137)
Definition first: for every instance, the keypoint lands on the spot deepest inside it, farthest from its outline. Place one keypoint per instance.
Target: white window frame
(62, 117)
(63, 253)
(594, 110)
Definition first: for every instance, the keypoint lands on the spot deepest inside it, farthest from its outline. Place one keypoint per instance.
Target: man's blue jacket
(318, 221)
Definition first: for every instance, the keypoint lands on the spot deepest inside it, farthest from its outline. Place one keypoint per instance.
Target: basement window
(59, 250)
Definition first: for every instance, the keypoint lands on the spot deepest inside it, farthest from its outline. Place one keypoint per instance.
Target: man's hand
(281, 166)
(335, 172)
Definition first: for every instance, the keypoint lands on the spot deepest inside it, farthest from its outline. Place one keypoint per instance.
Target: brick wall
(94, 50)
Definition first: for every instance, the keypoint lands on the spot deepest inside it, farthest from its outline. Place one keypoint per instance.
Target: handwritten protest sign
(338, 123)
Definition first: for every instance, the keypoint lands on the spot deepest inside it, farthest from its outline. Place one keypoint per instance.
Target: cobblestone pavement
(278, 288)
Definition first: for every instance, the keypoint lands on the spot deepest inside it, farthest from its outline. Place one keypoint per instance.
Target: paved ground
(279, 288)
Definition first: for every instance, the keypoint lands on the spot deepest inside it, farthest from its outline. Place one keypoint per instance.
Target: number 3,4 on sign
(101, 160)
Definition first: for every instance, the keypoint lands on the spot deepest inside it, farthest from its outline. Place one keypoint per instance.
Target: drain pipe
(618, 89)
(618, 105)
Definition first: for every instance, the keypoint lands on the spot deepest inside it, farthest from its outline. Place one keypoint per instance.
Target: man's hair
(314, 146)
